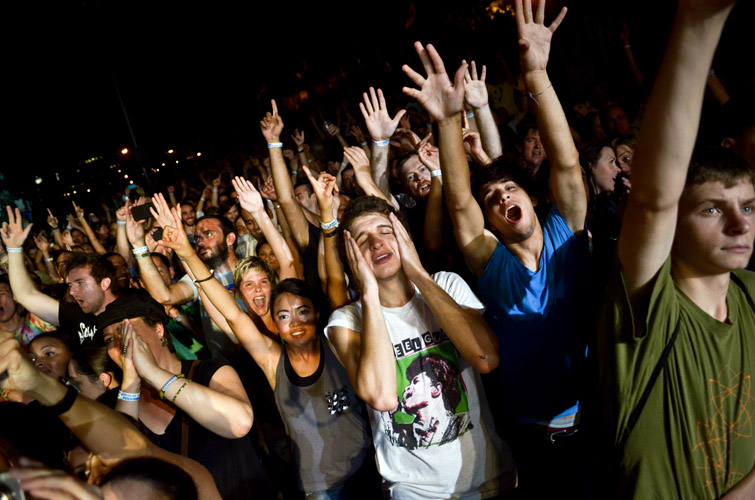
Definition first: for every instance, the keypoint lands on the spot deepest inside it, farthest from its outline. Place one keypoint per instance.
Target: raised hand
(78, 210)
(410, 261)
(143, 359)
(42, 243)
(52, 220)
(356, 131)
(174, 236)
(428, 154)
(333, 130)
(268, 190)
(534, 36)
(361, 270)
(122, 213)
(289, 154)
(67, 240)
(357, 158)
(131, 379)
(379, 123)
(134, 228)
(441, 98)
(171, 189)
(298, 137)
(249, 198)
(475, 91)
(272, 124)
(326, 191)
(160, 210)
(13, 233)
(216, 182)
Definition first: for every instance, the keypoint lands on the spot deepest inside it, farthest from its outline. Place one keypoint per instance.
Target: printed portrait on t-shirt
(433, 408)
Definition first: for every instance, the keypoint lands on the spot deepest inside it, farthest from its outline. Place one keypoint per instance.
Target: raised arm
(101, 430)
(53, 222)
(81, 217)
(122, 245)
(476, 95)
(430, 158)
(444, 101)
(251, 201)
(566, 181)
(272, 126)
(24, 292)
(326, 190)
(363, 174)
(264, 351)
(381, 127)
(174, 294)
(666, 141)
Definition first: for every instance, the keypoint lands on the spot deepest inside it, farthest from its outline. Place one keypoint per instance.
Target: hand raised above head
(249, 198)
(13, 233)
(534, 36)
(174, 236)
(441, 98)
(298, 137)
(475, 91)
(379, 123)
(272, 124)
(160, 210)
(51, 219)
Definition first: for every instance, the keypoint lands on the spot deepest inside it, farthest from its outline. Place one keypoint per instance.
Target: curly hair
(441, 371)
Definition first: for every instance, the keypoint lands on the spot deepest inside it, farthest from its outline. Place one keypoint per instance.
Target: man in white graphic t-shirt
(414, 346)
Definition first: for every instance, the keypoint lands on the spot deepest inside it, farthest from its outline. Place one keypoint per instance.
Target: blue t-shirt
(541, 320)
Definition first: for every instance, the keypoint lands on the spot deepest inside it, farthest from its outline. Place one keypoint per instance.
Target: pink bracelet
(532, 96)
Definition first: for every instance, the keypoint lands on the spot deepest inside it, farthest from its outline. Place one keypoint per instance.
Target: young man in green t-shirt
(686, 228)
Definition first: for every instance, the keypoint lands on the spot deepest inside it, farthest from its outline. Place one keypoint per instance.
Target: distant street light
(124, 151)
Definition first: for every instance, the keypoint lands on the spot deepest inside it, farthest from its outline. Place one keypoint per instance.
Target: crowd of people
(485, 295)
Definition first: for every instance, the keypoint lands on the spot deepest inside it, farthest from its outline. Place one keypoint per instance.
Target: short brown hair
(99, 267)
(718, 164)
(365, 205)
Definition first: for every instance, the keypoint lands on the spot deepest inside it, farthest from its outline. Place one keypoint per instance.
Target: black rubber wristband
(64, 404)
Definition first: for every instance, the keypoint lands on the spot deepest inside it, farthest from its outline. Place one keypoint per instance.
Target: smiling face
(255, 288)
(605, 170)
(85, 290)
(714, 232)
(373, 233)
(295, 318)
(188, 215)
(510, 210)
(50, 356)
(415, 178)
(232, 214)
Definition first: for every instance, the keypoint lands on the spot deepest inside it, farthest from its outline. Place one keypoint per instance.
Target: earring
(163, 342)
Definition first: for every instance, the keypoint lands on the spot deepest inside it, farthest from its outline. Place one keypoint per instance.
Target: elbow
(486, 362)
(242, 422)
(388, 403)
(380, 399)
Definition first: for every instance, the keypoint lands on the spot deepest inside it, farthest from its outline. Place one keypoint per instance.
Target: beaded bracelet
(179, 391)
(168, 383)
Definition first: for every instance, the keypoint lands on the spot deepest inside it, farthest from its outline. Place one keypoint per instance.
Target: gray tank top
(324, 420)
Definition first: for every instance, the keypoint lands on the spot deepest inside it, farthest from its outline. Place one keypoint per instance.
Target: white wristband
(14, 250)
(140, 250)
(436, 173)
(271, 145)
(382, 143)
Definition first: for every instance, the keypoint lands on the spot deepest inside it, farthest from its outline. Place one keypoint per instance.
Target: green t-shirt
(694, 438)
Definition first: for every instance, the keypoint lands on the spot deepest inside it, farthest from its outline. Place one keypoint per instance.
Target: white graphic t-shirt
(439, 442)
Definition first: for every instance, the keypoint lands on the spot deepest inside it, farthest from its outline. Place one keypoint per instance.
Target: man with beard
(189, 217)
(215, 237)
(90, 282)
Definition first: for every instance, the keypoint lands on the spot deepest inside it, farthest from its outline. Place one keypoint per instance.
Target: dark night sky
(190, 73)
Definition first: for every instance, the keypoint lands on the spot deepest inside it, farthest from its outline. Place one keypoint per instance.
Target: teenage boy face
(373, 234)
(509, 209)
(715, 229)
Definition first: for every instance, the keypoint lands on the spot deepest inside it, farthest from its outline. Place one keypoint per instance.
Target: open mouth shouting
(259, 302)
(424, 188)
(513, 214)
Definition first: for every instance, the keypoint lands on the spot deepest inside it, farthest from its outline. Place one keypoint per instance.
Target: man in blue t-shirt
(530, 276)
